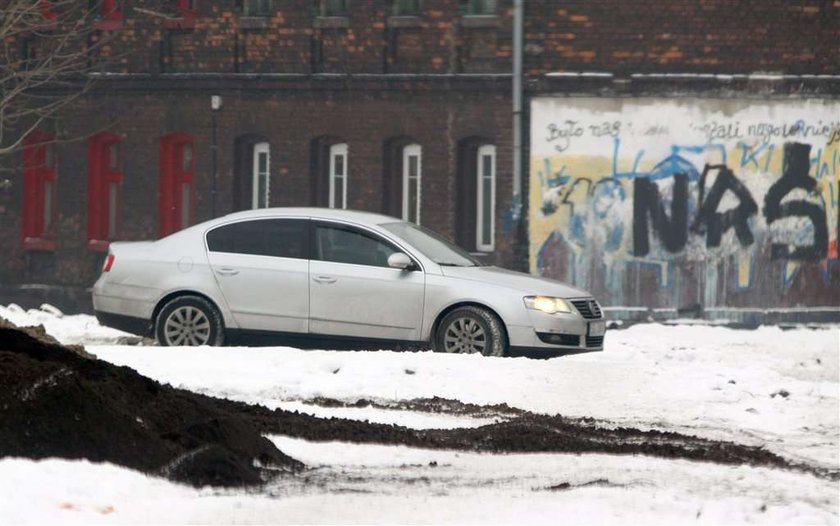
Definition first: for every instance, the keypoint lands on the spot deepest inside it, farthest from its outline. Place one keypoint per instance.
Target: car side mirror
(400, 261)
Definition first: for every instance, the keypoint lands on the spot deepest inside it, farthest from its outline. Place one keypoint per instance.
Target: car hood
(526, 283)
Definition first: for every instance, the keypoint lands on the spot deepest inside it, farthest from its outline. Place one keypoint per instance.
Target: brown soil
(57, 402)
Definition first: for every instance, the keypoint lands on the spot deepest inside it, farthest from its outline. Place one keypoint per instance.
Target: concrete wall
(687, 203)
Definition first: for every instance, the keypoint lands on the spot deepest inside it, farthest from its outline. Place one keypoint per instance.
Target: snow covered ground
(768, 387)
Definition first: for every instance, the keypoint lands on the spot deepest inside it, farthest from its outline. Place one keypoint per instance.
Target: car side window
(286, 238)
(348, 245)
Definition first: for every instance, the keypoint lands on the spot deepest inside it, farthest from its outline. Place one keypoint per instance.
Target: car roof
(358, 216)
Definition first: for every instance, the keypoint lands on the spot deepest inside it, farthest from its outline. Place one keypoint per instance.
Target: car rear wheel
(189, 320)
(471, 330)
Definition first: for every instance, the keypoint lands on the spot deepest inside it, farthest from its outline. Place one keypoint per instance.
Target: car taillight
(109, 262)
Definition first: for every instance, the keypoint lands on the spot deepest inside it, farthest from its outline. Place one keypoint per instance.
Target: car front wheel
(189, 320)
(471, 330)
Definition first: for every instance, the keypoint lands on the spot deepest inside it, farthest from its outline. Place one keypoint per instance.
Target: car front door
(353, 292)
(262, 269)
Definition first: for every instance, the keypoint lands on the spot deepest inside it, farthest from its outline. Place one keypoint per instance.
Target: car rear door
(353, 292)
(262, 269)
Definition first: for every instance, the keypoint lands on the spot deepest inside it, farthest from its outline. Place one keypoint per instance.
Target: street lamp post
(215, 106)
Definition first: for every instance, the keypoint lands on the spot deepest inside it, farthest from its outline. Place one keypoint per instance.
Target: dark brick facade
(686, 36)
(441, 78)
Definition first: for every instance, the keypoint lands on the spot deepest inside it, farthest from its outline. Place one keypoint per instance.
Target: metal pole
(520, 236)
(517, 107)
(214, 167)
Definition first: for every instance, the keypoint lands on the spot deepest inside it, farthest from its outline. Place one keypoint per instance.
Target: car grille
(589, 309)
(571, 340)
(594, 341)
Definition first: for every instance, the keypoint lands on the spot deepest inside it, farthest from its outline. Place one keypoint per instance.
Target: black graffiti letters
(646, 202)
(715, 223)
(673, 231)
(561, 134)
(606, 128)
(715, 131)
(795, 166)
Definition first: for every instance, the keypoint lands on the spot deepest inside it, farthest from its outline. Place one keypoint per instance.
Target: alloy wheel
(187, 325)
(465, 335)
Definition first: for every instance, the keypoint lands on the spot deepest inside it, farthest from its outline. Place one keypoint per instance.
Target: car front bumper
(557, 334)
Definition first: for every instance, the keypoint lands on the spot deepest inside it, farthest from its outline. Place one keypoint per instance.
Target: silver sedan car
(336, 279)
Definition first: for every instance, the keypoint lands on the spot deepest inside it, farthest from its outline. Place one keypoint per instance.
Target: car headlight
(547, 304)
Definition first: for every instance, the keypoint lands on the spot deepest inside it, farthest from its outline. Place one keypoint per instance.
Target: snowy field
(767, 387)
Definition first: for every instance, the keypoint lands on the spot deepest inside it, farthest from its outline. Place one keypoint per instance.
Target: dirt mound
(57, 402)
(526, 433)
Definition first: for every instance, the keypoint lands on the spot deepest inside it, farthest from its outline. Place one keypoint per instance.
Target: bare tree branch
(47, 51)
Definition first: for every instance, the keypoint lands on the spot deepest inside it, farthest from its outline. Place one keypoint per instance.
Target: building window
(39, 191)
(108, 14)
(104, 189)
(475, 193)
(251, 172)
(338, 175)
(46, 10)
(260, 176)
(185, 8)
(28, 53)
(184, 16)
(110, 10)
(335, 7)
(256, 7)
(479, 7)
(412, 171)
(486, 198)
(406, 7)
(329, 171)
(177, 180)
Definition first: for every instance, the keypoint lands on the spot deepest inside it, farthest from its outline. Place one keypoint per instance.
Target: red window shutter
(185, 8)
(104, 190)
(177, 180)
(111, 10)
(46, 9)
(39, 192)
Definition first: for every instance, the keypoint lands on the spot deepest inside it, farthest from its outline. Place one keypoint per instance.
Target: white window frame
(338, 150)
(409, 151)
(258, 148)
(481, 180)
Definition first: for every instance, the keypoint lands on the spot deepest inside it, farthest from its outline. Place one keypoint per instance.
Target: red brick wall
(718, 36)
(289, 117)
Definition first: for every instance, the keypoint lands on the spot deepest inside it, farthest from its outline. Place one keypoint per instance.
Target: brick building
(405, 107)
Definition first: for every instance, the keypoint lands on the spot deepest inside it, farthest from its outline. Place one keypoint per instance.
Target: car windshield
(432, 245)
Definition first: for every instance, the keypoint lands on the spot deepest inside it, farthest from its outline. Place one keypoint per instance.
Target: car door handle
(325, 279)
(227, 271)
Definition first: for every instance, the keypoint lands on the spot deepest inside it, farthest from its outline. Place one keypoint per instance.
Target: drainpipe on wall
(518, 17)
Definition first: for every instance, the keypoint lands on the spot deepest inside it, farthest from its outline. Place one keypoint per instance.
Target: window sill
(404, 21)
(108, 25)
(336, 22)
(39, 243)
(98, 245)
(179, 23)
(478, 21)
(253, 22)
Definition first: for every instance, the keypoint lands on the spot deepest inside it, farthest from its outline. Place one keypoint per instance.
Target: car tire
(471, 330)
(189, 320)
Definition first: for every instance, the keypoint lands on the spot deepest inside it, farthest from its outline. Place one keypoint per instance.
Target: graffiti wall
(687, 203)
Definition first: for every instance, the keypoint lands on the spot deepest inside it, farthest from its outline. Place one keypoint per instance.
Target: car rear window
(286, 238)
